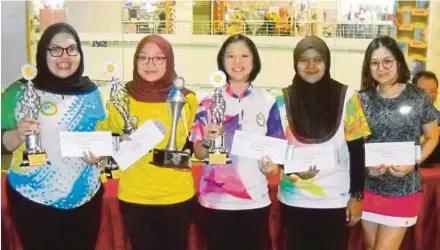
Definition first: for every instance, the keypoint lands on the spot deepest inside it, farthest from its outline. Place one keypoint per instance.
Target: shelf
(420, 12)
(417, 44)
(405, 9)
(417, 57)
(406, 27)
(404, 39)
(420, 25)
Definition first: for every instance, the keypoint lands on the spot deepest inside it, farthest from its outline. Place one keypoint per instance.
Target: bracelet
(359, 195)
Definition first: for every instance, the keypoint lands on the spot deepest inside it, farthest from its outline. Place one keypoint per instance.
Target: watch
(206, 143)
(359, 196)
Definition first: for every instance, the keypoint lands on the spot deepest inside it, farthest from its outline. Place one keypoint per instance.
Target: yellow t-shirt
(144, 183)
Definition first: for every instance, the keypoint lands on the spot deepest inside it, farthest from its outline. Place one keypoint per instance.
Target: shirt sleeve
(357, 165)
(200, 120)
(355, 122)
(429, 112)
(274, 123)
(9, 105)
(113, 121)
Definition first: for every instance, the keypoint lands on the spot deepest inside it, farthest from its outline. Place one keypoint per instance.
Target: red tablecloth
(423, 236)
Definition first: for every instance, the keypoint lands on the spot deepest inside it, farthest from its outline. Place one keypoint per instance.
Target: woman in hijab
(156, 202)
(55, 205)
(320, 204)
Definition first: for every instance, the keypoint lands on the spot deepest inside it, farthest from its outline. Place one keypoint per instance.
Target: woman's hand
(267, 166)
(90, 158)
(305, 175)
(212, 131)
(353, 211)
(26, 126)
(401, 171)
(124, 137)
(377, 171)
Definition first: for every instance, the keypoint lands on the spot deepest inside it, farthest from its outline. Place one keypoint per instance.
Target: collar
(247, 92)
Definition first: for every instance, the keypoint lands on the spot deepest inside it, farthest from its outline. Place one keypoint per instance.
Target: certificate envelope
(144, 139)
(323, 157)
(74, 144)
(390, 153)
(253, 146)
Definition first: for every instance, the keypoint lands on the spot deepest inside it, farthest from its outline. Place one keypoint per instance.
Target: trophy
(119, 99)
(170, 156)
(34, 154)
(217, 152)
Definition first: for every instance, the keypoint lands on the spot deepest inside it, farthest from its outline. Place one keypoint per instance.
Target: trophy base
(171, 159)
(218, 158)
(109, 170)
(34, 159)
(112, 171)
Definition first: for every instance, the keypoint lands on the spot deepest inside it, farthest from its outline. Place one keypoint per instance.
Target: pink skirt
(391, 211)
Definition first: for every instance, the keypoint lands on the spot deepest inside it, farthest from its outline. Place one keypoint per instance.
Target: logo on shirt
(48, 108)
(261, 120)
(404, 110)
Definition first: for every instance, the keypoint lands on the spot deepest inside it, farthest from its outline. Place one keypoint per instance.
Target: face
(151, 63)
(238, 62)
(311, 66)
(62, 55)
(383, 66)
(430, 86)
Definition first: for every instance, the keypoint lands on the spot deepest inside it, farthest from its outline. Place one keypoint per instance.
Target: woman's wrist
(358, 195)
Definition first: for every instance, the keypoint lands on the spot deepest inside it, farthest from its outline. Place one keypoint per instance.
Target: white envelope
(254, 146)
(74, 144)
(144, 139)
(390, 153)
(301, 159)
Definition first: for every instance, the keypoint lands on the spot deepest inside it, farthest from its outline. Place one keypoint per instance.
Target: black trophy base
(171, 159)
(112, 171)
(218, 158)
(34, 159)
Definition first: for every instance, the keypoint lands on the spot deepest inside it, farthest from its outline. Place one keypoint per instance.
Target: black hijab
(45, 80)
(314, 110)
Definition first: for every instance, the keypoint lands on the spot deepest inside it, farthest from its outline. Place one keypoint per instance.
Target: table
(423, 236)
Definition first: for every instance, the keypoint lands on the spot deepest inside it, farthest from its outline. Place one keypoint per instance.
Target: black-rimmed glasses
(157, 60)
(57, 51)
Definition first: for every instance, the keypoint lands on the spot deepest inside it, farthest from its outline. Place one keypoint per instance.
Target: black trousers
(41, 227)
(315, 229)
(157, 227)
(236, 229)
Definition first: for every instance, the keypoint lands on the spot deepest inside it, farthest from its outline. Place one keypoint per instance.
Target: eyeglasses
(386, 64)
(57, 51)
(308, 60)
(157, 60)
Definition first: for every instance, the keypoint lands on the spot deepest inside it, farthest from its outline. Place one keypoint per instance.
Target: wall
(95, 16)
(13, 47)
(433, 62)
